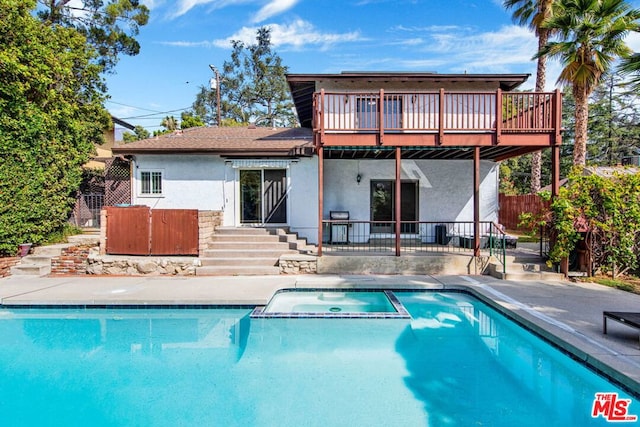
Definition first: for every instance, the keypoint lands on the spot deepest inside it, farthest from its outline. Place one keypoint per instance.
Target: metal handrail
(360, 236)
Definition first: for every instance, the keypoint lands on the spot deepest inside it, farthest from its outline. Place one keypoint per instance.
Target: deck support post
(555, 171)
(381, 119)
(398, 210)
(499, 113)
(320, 195)
(476, 201)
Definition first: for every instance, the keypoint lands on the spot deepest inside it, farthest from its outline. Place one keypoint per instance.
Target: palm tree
(533, 13)
(591, 37)
(169, 123)
(631, 65)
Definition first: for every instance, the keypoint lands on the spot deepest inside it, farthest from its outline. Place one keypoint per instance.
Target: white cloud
(274, 7)
(183, 6)
(297, 35)
(428, 28)
(492, 51)
(204, 43)
(633, 41)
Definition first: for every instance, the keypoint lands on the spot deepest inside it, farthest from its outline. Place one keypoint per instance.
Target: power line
(155, 114)
(132, 106)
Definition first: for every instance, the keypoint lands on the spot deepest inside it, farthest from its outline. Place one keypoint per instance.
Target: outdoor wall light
(358, 178)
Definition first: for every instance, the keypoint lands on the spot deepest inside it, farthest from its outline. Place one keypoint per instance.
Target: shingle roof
(240, 141)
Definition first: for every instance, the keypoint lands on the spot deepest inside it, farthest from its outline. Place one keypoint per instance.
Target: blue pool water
(455, 362)
(329, 301)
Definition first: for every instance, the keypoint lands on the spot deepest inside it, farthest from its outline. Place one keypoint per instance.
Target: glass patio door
(383, 206)
(263, 196)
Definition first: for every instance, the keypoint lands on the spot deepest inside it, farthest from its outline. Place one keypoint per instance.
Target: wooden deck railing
(437, 112)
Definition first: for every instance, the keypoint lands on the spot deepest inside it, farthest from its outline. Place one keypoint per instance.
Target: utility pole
(215, 84)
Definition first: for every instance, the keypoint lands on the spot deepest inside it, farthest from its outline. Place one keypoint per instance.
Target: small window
(150, 182)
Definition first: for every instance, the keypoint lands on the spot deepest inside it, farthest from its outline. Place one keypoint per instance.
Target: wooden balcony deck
(437, 119)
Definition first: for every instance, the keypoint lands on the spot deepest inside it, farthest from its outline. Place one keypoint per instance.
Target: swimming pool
(454, 362)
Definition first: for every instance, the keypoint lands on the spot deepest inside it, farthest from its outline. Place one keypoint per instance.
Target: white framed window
(151, 183)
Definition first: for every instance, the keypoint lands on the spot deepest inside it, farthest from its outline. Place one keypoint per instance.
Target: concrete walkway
(568, 314)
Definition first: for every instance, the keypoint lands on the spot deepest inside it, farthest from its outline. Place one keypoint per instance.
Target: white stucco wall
(188, 181)
(303, 198)
(445, 187)
(208, 182)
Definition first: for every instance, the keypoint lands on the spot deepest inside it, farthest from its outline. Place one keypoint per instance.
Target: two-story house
(384, 163)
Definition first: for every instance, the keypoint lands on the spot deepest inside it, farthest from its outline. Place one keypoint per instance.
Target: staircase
(524, 264)
(39, 262)
(248, 251)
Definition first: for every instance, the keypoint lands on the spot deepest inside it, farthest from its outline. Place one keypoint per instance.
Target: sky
(183, 37)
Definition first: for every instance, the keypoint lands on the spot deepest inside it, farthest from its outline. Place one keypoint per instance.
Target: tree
(591, 36)
(138, 133)
(614, 114)
(189, 120)
(631, 65)
(253, 87)
(533, 13)
(109, 27)
(51, 115)
(169, 123)
(204, 107)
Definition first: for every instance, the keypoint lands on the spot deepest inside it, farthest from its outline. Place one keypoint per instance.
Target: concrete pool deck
(567, 314)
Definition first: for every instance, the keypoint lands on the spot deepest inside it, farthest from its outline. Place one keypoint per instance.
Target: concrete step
(275, 246)
(225, 261)
(30, 270)
(247, 231)
(524, 272)
(51, 250)
(244, 253)
(542, 275)
(237, 270)
(84, 239)
(248, 238)
(36, 260)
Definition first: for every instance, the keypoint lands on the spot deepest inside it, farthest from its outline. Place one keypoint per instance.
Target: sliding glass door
(263, 196)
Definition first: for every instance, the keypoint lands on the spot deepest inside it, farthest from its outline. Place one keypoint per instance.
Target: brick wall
(72, 261)
(6, 263)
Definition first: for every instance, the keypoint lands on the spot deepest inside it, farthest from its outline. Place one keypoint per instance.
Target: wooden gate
(138, 230)
(174, 232)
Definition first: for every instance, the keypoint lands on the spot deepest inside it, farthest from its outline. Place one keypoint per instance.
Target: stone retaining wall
(140, 266)
(6, 263)
(298, 264)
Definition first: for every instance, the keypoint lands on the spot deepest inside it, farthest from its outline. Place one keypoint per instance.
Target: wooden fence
(139, 230)
(512, 206)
